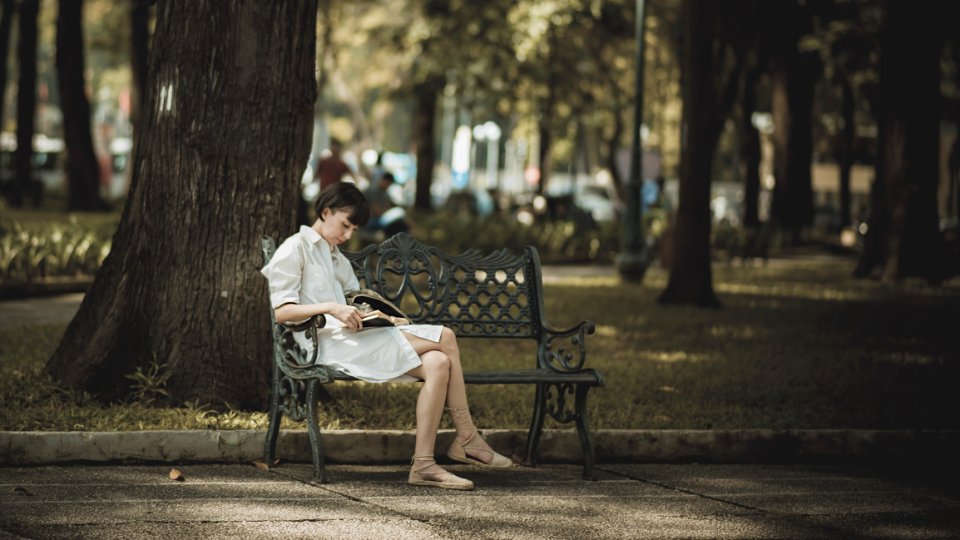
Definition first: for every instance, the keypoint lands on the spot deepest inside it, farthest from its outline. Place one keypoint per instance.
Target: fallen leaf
(20, 490)
(261, 465)
(176, 475)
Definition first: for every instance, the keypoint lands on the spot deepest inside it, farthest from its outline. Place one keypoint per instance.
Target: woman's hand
(348, 315)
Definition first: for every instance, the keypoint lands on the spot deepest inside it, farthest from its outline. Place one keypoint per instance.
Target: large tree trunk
(423, 127)
(6, 21)
(26, 105)
(214, 171)
(83, 171)
(691, 280)
(906, 239)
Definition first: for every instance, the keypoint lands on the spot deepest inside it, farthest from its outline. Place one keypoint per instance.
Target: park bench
(497, 295)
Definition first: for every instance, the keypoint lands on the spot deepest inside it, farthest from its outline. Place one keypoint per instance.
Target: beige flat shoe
(458, 450)
(437, 478)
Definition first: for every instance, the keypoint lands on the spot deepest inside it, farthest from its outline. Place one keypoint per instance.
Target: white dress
(307, 270)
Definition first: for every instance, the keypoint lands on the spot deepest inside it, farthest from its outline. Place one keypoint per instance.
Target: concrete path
(552, 502)
(39, 310)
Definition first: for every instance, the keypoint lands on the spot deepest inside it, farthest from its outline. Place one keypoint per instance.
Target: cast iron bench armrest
(561, 359)
(291, 359)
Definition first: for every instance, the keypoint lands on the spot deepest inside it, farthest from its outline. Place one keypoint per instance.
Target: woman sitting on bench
(308, 276)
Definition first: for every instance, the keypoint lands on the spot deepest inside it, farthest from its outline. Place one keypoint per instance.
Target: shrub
(33, 250)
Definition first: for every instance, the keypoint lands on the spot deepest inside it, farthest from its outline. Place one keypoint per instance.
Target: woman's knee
(436, 365)
(448, 339)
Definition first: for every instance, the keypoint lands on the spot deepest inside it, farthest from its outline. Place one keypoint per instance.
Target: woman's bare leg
(424, 471)
(456, 391)
(435, 373)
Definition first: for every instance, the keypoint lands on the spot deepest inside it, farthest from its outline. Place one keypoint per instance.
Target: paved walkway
(628, 501)
(39, 310)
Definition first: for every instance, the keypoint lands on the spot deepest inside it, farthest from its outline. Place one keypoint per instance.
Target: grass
(799, 344)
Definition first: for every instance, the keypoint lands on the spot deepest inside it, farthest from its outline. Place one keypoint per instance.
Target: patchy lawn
(798, 344)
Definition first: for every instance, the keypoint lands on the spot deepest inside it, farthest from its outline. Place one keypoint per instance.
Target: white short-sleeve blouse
(307, 270)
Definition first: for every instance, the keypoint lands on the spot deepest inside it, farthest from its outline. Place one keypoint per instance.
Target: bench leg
(270, 445)
(313, 431)
(583, 430)
(536, 425)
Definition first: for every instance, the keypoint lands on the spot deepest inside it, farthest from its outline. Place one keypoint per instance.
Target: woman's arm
(348, 315)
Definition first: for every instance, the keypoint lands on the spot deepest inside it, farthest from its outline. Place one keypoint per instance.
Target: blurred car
(597, 201)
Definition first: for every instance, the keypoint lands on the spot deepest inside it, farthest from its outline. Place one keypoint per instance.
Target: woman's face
(335, 227)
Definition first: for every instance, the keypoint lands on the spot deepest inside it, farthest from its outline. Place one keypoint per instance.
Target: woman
(308, 276)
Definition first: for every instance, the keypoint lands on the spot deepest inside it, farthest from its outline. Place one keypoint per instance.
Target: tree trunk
(904, 221)
(750, 150)
(6, 21)
(83, 171)
(792, 102)
(543, 126)
(691, 280)
(215, 169)
(845, 153)
(26, 105)
(613, 144)
(423, 128)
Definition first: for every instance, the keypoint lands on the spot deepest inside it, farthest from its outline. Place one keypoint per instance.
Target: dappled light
(737, 332)
(669, 357)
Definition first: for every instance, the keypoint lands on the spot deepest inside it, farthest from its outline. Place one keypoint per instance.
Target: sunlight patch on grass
(606, 330)
(909, 358)
(669, 357)
(728, 331)
(586, 281)
(807, 291)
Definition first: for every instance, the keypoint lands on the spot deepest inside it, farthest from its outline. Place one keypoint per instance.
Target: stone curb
(557, 446)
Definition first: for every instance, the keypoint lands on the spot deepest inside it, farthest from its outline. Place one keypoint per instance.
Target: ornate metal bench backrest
(475, 294)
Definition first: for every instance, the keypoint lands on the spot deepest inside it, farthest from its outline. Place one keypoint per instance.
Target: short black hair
(344, 196)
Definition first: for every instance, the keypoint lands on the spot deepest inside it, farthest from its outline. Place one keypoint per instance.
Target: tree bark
(793, 78)
(750, 154)
(224, 140)
(82, 168)
(845, 153)
(546, 138)
(26, 105)
(612, 145)
(792, 102)
(691, 279)
(423, 126)
(6, 21)
(904, 239)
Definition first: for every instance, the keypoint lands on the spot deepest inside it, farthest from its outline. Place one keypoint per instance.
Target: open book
(378, 310)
